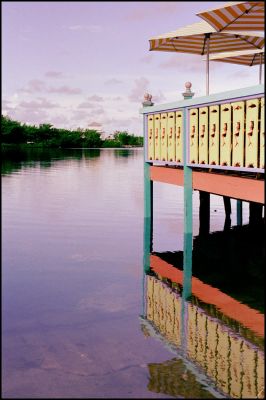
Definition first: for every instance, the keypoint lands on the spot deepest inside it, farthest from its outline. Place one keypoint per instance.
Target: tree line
(14, 132)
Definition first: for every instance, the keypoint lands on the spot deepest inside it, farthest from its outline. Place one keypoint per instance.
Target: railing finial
(147, 100)
(188, 94)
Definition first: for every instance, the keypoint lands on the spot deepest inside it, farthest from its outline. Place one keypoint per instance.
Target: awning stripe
(230, 17)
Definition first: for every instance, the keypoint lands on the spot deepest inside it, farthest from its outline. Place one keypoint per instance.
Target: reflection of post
(188, 227)
(204, 213)
(255, 213)
(227, 209)
(239, 212)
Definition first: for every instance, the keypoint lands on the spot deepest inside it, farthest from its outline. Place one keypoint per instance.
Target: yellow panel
(157, 137)
(211, 348)
(150, 300)
(203, 135)
(252, 132)
(193, 135)
(179, 136)
(236, 366)
(150, 137)
(222, 359)
(192, 343)
(238, 133)
(262, 135)
(171, 136)
(249, 367)
(226, 135)
(260, 374)
(164, 137)
(214, 129)
(202, 338)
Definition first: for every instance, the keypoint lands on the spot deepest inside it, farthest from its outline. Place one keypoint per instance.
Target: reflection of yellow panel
(164, 137)
(169, 314)
(222, 359)
(214, 130)
(192, 332)
(238, 133)
(157, 137)
(236, 366)
(150, 300)
(162, 291)
(260, 375)
(193, 136)
(249, 368)
(203, 135)
(179, 136)
(211, 348)
(171, 136)
(252, 131)
(202, 339)
(156, 298)
(150, 137)
(177, 320)
(262, 135)
(225, 135)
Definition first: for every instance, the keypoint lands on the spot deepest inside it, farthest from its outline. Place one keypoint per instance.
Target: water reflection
(16, 158)
(220, 331)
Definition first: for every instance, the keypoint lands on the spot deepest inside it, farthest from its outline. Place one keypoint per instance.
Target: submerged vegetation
(14, 132)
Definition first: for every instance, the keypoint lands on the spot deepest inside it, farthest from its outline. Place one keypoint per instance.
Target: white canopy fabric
(236, 16)
(192, 39)
(201, 38)
(247, 57)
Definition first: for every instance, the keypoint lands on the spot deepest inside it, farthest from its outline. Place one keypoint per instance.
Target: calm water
(76, 316)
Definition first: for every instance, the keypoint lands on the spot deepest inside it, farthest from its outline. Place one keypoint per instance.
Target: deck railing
(221, 131)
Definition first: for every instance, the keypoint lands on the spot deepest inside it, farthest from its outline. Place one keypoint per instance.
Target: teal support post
(148, 217)
(188, 220)
(148, 203)
(188, 238)
(239, 212)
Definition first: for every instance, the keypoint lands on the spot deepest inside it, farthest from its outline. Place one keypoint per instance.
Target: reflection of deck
(232, 362)
(208, 294)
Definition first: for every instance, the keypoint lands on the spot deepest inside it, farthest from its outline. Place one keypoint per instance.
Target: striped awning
(236, 16)
(247, 57)
(192, 39)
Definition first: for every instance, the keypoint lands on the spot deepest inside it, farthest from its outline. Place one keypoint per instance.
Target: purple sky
(75, 63)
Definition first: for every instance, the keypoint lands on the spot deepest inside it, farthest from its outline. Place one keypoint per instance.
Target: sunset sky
(75, 63)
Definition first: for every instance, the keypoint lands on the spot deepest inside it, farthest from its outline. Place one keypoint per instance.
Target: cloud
(86, 104)
(40, 104)
(158, 98)
(95, 124)
(37, 85)
(147, 59)
(113, 81)
(141, 86)
(59, 119)
(54, 74)
(30, 116)
(187, 63)
(34, 85)
(89, 28)
(64, 90)
(79, 115)
(95, 98)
